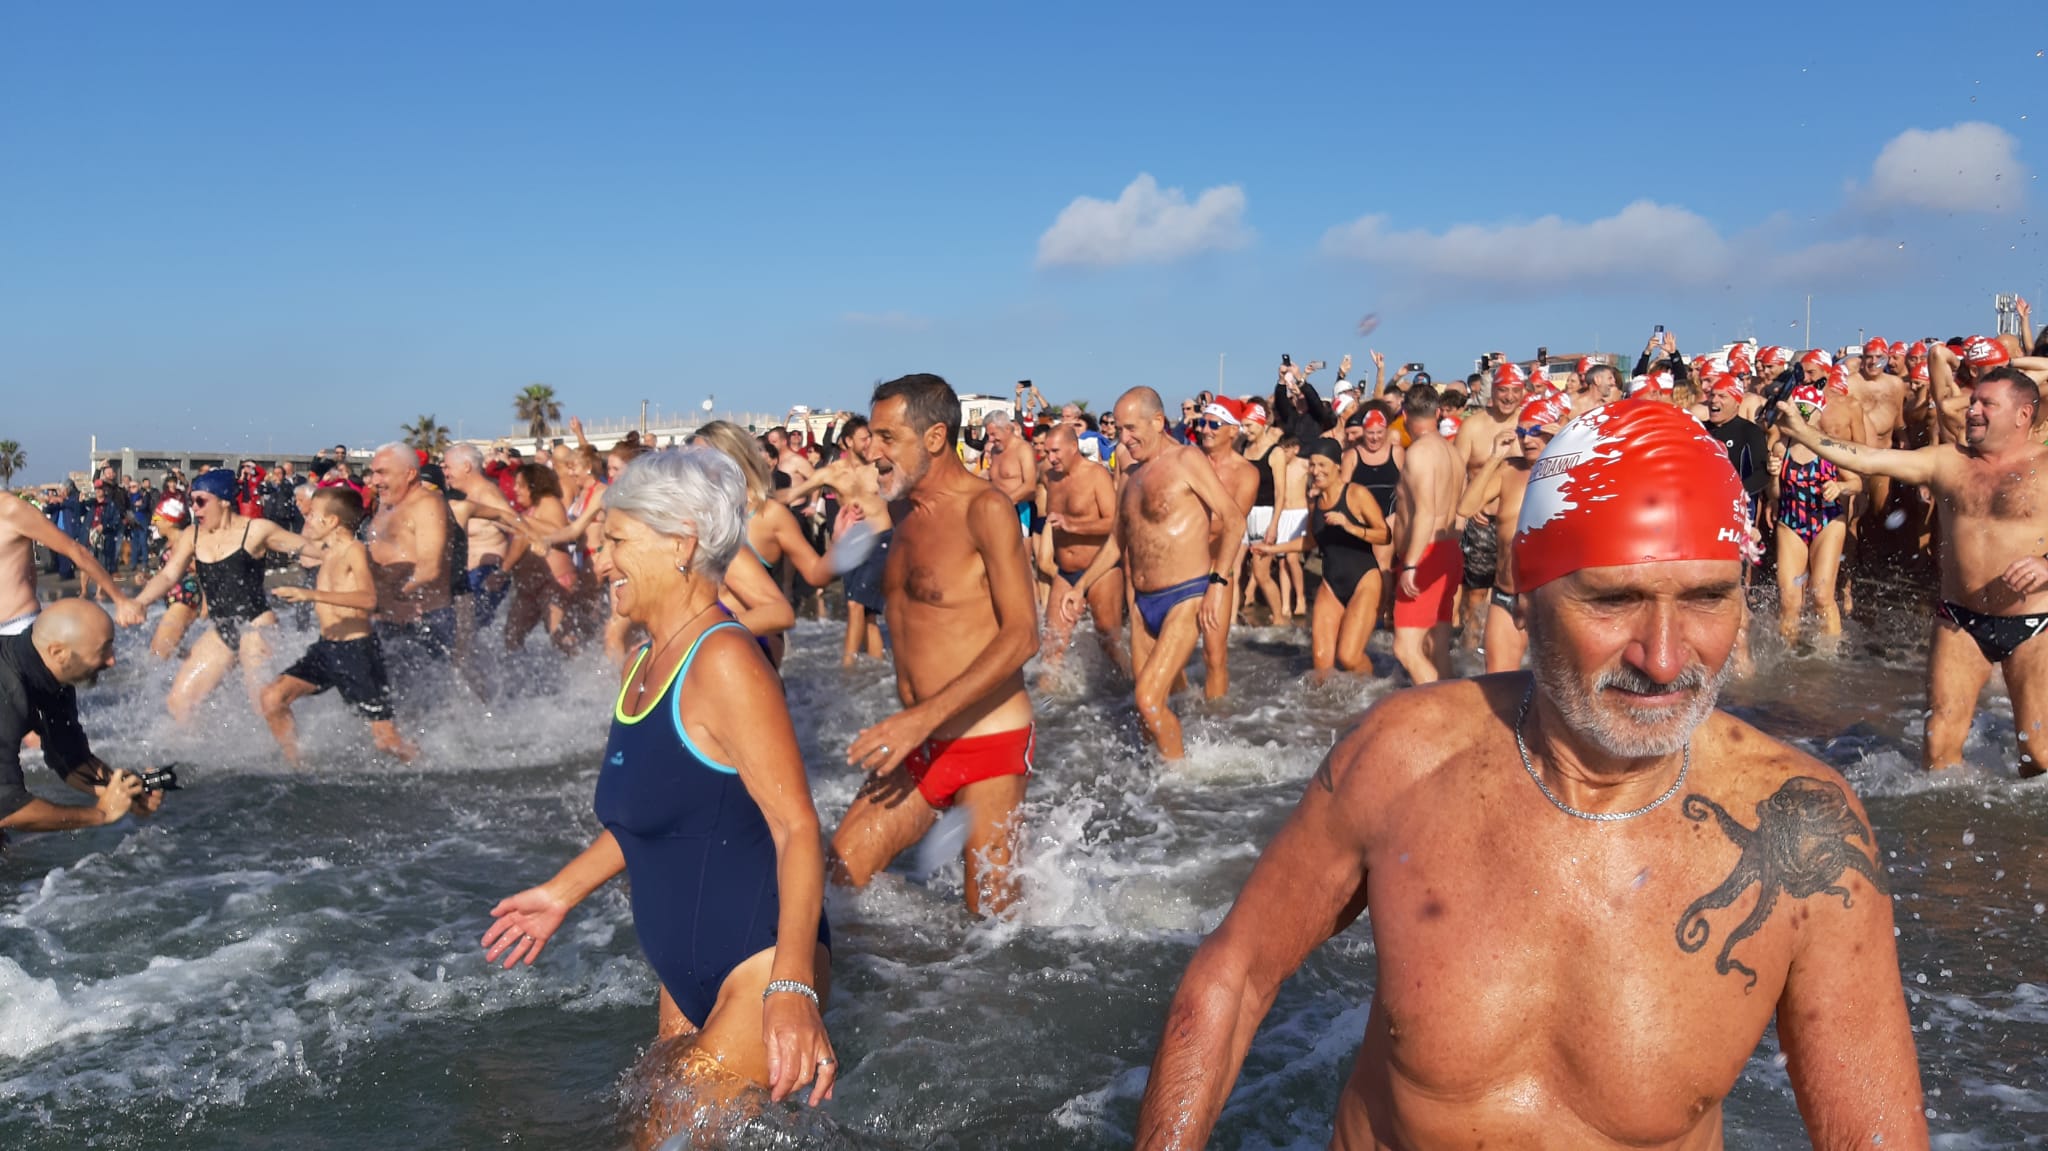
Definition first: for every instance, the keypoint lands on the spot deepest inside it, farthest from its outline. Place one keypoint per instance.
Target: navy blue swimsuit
(698, 853)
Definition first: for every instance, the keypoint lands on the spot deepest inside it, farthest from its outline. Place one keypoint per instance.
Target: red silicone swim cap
(1375, 419)
(1629, 483)
(1550, 408)
(1981, 353)
(1728, 384)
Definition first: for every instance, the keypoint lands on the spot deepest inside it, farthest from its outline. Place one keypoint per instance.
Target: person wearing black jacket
(1297, 408)
(40, 670)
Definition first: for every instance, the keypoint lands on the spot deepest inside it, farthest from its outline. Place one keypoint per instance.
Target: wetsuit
(698, 853)
(1346, 558)
(233, 588)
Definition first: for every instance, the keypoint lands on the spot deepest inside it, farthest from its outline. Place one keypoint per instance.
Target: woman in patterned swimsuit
(1811, 526)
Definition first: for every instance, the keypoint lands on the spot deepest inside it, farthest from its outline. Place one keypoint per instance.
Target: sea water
(289, 959)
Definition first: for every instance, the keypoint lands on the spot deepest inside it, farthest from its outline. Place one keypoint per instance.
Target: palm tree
(12, 460)
(536, 405)
(426, 434)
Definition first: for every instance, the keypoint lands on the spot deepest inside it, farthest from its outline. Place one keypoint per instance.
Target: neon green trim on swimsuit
(619, 706)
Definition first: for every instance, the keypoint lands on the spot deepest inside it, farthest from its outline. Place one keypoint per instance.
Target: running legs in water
(1159, 661)
(890, 815)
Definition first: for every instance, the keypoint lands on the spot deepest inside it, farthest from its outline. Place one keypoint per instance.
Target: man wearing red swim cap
(1475, 443)
(1670, 876)
(1994, 581)
(1216, 431)
(1499, 485)
(1952, 372)
(1431, 566)
(1881, 398)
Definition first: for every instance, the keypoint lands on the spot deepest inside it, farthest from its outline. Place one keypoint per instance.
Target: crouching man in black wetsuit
(1993, 507)
(40, 670)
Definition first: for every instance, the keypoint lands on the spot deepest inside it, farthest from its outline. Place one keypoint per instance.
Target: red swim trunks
(1437, 577)
(941, 767)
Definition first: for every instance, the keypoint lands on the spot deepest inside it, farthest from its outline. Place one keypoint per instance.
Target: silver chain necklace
(1522, 717)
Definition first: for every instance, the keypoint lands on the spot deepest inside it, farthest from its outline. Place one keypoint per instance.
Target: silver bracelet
(791, 986)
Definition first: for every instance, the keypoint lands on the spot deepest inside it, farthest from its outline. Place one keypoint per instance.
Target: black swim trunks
(1997, 636)
(1482, 553)
(354, 667)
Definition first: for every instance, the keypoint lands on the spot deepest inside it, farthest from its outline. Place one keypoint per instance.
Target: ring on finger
(826, 1061)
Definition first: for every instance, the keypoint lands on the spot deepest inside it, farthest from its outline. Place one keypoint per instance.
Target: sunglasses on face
(1205, 425)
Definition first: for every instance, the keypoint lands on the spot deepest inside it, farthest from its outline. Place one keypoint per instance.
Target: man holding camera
(71, 642)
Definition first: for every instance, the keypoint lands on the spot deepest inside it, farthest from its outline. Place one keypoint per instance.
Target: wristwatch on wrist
(1219, 580)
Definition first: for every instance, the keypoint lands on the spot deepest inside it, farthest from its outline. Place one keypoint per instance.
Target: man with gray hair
(1012, 467)
(408, 539)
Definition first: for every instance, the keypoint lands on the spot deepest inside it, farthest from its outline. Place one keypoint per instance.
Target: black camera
(163, 778)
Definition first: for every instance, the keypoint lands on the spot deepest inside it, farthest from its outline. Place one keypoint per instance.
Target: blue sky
(278, 226)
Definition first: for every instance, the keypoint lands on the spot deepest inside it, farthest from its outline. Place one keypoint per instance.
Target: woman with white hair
(704, 802)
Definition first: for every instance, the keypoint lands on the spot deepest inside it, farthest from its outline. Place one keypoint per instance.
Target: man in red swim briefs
(1432, 567)
(963, 616)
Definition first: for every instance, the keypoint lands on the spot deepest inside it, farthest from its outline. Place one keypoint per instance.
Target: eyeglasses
(1206, 425)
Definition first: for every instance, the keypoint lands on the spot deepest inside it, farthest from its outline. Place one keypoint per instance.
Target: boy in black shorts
(346, 656)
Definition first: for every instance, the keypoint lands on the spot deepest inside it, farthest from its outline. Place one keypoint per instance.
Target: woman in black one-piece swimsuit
(231, 586)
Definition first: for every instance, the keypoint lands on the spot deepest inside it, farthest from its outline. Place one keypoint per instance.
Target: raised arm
(23, 518)
(1914, 467)
(825, 477)
(1308, 885)
(992, 525)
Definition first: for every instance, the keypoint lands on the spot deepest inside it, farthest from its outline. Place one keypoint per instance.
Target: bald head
(1144, 401)
(76, 640)
(1141, 424)
(1061, 436)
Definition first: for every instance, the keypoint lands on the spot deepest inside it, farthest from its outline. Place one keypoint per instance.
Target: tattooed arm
(1842, 1015)
(1309, 884)
(1913, 467)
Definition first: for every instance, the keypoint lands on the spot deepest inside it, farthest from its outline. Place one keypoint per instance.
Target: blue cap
(218, 483)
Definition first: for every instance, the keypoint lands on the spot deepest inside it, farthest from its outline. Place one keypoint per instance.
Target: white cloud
(890, 321)
(1144, 226)
(1971, 167)
(1645, 245)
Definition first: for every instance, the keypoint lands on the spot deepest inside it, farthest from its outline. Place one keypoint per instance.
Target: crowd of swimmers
(1601, 529)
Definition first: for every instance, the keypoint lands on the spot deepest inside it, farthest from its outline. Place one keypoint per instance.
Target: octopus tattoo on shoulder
(1801, 846)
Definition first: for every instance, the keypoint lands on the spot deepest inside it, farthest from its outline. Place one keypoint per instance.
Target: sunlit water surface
(290, 960)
